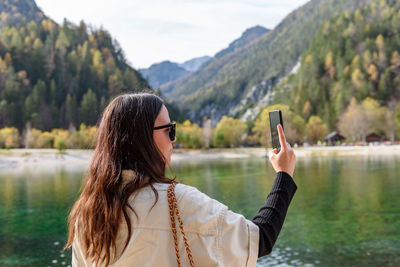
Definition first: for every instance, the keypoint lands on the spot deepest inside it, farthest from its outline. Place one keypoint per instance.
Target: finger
(282, 138)
(272, 153)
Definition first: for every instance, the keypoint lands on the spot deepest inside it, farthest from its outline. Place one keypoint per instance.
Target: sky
(151, 31)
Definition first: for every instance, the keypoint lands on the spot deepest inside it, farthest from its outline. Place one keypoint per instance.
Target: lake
(346, 210)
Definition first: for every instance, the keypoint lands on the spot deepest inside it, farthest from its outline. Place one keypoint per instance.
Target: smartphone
(275, 118)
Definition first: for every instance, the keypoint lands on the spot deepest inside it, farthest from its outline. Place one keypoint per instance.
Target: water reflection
(33, 211)
(346, 210)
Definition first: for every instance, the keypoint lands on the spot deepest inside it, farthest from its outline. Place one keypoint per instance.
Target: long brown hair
(125, 141)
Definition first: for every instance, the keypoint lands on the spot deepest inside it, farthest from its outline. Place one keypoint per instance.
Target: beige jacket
(216, 235)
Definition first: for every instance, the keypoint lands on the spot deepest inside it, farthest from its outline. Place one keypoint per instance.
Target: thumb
(272, 154)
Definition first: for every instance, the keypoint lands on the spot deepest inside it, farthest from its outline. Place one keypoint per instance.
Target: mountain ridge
(162, 74)
(247, 36)
(55, 76)
(194, 63)
(237, 81)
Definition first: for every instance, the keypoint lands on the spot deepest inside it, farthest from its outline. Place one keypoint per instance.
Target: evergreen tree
(89, 108)
(45, 70)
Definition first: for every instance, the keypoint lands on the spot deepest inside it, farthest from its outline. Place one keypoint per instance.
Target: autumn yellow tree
(357, 78)
(293, 125)
(388, 124)
(86, 137)
(380, 43)
(329, 65)
(62, 139)
(373, 73)
(189, 135)
(306, 109)
(9, 137)
(316, 129)
(373, 115)
(230, 132)
(367, 59)
(361, 119)
(45, 140)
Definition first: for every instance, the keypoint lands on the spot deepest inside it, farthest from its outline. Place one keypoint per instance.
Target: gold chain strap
(173, 208)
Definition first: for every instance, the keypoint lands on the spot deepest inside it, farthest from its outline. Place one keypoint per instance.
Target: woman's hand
(285, 160)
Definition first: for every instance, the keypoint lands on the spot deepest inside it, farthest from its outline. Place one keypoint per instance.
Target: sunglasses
(172, 129)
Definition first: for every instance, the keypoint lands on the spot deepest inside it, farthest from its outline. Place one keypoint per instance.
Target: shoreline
(16, 158)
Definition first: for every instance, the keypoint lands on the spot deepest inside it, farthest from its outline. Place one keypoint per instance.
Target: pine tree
(89, 108)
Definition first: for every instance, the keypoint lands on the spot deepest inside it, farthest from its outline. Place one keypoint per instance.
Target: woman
(124, 214)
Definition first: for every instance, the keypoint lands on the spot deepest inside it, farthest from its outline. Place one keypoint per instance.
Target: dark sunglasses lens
(172, 132)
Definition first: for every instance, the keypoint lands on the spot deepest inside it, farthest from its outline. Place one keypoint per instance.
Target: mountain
(167, 71)
(163, 72)
(54, 76)
(352, 55)
(19, 12)
(248, 36)
(240, 82)
(194, 63)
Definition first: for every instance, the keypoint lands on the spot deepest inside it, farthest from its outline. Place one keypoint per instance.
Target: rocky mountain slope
(240, 82)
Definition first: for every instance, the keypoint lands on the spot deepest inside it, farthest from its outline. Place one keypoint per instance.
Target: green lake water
(346, 211)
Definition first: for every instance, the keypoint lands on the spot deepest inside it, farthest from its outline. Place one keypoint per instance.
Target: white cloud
(155, 30)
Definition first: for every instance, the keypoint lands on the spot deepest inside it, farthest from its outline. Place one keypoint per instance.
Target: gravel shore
(47, 158)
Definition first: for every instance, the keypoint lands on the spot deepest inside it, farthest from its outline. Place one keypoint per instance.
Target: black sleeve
(271, 216)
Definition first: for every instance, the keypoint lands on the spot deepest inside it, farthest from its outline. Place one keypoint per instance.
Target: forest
(57, 76)
(353, 56)
(56, 80)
